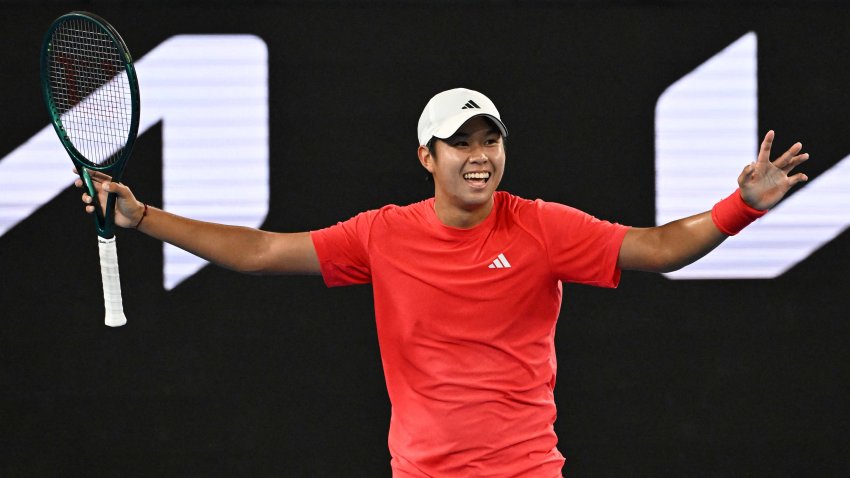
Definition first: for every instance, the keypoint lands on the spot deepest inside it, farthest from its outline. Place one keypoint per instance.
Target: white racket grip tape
(111, 282)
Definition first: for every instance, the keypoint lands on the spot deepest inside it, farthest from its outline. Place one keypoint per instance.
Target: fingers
(796, 179)
(96, 176)
(103, 181)
(788, 160)
(746, 173)
(102, 185)
(119, 189)
(99, 176)
(766, 144)
(87, 200)
(789, 156)
(792, 162)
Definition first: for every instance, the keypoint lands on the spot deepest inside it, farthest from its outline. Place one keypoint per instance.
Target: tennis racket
(92, 94)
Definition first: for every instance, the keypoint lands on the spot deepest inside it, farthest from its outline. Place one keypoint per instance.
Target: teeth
(476, 176)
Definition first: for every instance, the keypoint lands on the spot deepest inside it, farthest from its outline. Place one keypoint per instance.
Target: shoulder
(392, 212)
(556, 218)
(410, 212)
(512, 203)
(374, 224)
(536, 208)
(393, 218)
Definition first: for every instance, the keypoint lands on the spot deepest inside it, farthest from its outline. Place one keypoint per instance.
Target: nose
(478, 154)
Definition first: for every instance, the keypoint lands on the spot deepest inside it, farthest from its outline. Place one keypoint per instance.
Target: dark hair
(431, 144)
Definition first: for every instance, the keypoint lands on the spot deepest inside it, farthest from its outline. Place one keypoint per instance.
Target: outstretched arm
(239, 248)
(676, 244)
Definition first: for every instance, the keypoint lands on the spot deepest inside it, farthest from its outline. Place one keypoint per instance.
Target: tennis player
(467, 285)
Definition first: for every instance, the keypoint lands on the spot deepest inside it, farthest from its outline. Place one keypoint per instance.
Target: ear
(426, 159)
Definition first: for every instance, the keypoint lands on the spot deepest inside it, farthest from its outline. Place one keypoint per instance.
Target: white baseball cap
(449, 110)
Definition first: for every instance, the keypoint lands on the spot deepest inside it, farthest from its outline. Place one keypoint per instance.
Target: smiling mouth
(477, 178)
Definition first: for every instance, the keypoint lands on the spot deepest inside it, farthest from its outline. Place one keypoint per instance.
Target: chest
(483, 281)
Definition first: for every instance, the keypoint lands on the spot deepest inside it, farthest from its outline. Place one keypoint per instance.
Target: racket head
(91, 91)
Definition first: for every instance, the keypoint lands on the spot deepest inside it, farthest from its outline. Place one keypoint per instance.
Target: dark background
(237, 375)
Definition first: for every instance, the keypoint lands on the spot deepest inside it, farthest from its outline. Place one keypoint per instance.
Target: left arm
(671, 246)
(676, 244)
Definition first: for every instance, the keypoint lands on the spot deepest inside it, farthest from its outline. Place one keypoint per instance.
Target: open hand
(764, 183)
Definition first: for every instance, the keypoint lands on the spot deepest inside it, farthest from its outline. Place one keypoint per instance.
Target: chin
(478, 198)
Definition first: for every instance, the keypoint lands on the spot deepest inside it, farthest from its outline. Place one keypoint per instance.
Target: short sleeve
(581, 248)
(343, 251)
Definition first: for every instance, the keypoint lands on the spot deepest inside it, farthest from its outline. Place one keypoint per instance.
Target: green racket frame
(105, 228)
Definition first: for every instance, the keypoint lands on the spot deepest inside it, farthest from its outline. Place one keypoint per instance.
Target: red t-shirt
(466, 323)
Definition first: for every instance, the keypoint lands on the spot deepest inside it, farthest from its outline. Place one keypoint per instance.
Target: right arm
(238, 248)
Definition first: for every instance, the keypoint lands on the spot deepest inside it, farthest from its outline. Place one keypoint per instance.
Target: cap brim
(451, 125)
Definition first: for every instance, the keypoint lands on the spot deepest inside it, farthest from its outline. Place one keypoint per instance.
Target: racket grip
(111, 282)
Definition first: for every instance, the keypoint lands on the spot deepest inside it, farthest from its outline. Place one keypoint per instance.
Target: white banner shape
(706, 128)
(211, 94)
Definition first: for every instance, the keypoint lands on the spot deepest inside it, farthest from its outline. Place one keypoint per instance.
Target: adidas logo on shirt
(501, 262)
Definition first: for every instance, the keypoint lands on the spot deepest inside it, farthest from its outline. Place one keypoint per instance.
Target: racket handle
(111, 283)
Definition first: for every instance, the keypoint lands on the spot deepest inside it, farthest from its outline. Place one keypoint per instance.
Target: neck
(462, 218)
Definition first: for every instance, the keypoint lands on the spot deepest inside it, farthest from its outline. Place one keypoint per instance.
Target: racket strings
(90, 90)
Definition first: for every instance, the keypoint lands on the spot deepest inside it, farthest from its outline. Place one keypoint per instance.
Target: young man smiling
(468, 172)
(467, 286)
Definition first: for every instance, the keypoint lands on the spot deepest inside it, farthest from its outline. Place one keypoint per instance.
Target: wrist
(733, 214)
(142, 217)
